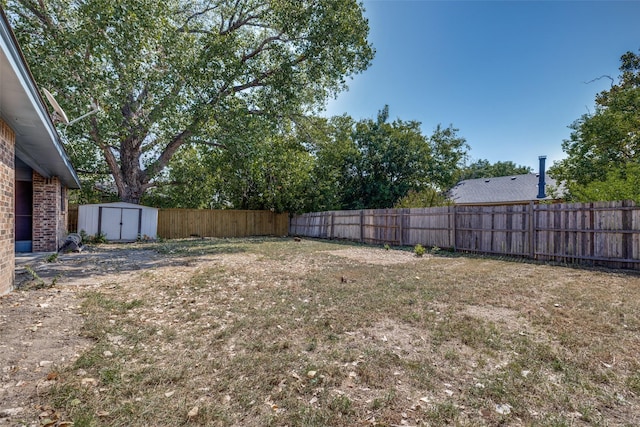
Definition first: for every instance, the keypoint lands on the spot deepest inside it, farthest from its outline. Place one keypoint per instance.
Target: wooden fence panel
(381, 226)
(72, 219)
(181, 223)
(346, 225)
(428, 227)
(604, 233)
(493, 229)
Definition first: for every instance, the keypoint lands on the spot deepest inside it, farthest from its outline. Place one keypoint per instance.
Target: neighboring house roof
(500, 190)
(22, 108)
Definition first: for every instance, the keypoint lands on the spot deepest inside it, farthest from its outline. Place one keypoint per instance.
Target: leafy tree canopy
(621, 183)
(605, 146)
(173, 74)
(384, 161)
(313, 164)
(484, 169)
(429, 197)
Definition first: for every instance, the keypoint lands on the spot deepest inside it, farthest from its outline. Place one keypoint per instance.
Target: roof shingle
(503, 189)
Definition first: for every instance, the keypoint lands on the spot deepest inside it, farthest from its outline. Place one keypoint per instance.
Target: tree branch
(38, 11)
(86, 172)
(259, 81)
(261, 47)
(196, 15)
(604, 76)
(166, 155)
(209, 143)
(110, 158)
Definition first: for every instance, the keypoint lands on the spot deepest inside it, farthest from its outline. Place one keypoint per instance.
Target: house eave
(22, 108)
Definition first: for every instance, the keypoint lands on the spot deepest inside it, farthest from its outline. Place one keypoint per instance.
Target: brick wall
(7, 180)
(49, 220)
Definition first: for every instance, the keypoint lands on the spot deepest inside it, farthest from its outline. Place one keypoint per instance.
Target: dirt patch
(376, 256)
(39, 332)
(41, 321)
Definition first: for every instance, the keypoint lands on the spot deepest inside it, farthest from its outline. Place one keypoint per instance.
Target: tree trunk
(131, 194)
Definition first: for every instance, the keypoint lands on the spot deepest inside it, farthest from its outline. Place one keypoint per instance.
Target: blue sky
(510, 75)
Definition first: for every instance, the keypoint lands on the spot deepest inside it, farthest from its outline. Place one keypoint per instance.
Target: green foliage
(429, 197)
(375, 163)
(178, 73)
(96, 239)
(52, 257)
(268, 169)
(311, 164)
(419, 250)
(484, 169)
(604, 146)
(621, 183)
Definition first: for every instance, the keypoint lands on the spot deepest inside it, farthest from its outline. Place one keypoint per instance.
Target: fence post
(400, 228)
(332, 234)
(532, 240)
(361, 225)
(454, 220)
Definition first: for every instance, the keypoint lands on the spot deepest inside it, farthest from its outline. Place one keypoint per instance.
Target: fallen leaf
(311, 374)
(503, 409)
(88, 382)
(193, 412)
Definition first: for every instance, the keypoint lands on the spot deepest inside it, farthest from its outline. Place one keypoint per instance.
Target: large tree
(174, 73)
(605, 145)
(385, 160)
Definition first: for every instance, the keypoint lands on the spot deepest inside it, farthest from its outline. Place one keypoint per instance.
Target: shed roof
(504, 189)
(124, 205)
(22, 108)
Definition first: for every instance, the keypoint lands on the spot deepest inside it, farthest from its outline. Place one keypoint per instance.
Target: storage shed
(118, 222)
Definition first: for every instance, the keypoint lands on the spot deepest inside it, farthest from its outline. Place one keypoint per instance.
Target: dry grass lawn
(260, 332)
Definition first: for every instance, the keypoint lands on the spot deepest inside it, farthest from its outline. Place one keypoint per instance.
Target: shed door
(120, 223)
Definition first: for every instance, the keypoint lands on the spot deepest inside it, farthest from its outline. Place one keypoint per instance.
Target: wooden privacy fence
(603, 233)
(181, 223)
(72, 219)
